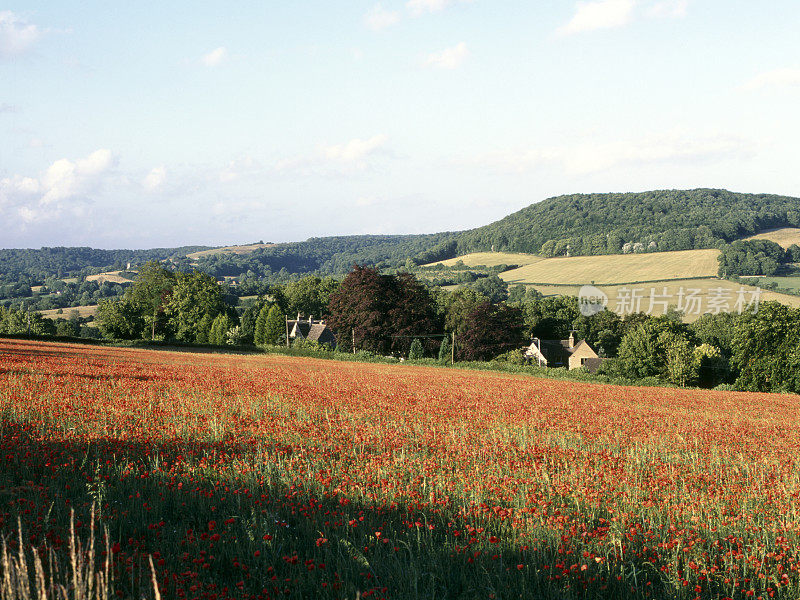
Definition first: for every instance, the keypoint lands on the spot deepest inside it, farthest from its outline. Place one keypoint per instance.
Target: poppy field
(262, 476)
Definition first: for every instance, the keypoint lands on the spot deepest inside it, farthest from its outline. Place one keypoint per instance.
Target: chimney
(536, 341)
(299, 317)
(310, 319)
(571, 339)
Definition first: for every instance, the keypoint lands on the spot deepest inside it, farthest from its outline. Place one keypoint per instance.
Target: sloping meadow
(272, 476)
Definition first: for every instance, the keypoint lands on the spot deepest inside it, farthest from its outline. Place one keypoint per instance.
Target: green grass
(789, 283)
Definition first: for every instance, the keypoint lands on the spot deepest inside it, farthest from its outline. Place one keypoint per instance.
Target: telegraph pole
(453, 350)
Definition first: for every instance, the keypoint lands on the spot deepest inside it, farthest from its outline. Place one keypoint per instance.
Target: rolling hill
(573, 225)
(587, 224)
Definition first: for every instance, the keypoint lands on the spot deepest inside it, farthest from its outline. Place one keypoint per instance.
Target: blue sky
(159, 124)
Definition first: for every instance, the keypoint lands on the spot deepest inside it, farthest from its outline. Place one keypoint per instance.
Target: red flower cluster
(265, 477)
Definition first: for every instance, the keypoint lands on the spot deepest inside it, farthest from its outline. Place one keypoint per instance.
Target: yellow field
(109, 277)
(83, 311)
(491, 259)
(617, 268)
(243, 249)
(785, 236)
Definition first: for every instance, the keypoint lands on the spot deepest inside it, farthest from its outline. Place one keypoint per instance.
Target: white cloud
(17, 36)
(596, 156)
(775, 78)
(355, 150)
(603, 14)
(65, 184)
(449, 58)
(419, 7)
(350, 156)
(669, 9)
(215, 57)
(238, 168)
(154, 179)
(379, 18)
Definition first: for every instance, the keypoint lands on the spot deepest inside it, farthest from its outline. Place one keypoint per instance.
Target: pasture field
(790, 283)
(89, 310)
(280, 477)
(242, 249)
(110, 277)
(491, 259)
(785, 236)
(617, 268)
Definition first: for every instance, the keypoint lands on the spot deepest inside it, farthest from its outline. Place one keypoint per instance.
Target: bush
(416, 351)
(514, 357)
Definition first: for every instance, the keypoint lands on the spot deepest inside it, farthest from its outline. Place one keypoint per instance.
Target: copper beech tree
(381, 313)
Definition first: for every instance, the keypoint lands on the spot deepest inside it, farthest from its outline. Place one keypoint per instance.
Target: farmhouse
(563, 353)
(309, 329)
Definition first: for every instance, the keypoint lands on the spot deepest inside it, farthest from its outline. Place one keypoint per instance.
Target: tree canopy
(382, 313)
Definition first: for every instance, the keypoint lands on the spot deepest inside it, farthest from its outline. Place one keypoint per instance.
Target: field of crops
(618, 268)
(491, 259)
(694, 296)
(785, 236)
(275, 477)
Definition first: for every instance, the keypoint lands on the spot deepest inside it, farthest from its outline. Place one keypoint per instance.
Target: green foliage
(491, 287)
(219, 330)
(260, 332)
(120, 320)
(150, 294)
(67, 328)
(455, 307)
(416, 351)
(550, 318)
(750, 257)
(39, 264)
(587, 224)
(445, 350)
(193, 296)
(309, 295)
(274, 325)
(645, 349)
(766, 349)
(681, 368)
(513, 357)
(16, 321)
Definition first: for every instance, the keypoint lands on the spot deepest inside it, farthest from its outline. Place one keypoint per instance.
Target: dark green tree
(445, 350)
(120, 320)
(260, 331)
(416, 351)
(219, 330)
(193, 296)
(274, 325)
(766, 349)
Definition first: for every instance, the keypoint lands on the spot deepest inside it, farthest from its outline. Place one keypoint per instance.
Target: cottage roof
(557, 352)
(319, 332)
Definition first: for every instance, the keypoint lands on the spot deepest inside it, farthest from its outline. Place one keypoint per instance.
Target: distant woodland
(580, 224)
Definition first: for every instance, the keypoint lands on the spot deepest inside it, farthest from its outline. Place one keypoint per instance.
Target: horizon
(299, 241)
(167, 126)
